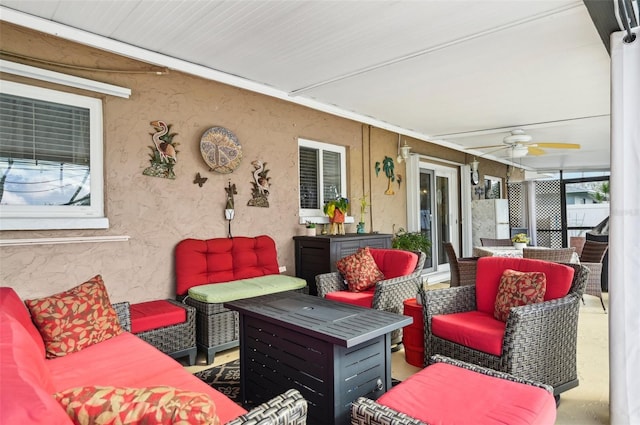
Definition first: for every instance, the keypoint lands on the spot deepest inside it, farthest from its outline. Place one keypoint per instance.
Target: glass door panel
(443, 209)
(426, 211)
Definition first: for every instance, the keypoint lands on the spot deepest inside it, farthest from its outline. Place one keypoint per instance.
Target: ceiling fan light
(519, 151)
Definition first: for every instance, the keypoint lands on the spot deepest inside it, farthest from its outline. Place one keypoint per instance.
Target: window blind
(43, 131)
(309, 178)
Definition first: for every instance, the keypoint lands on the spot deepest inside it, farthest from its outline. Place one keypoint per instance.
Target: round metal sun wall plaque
(220, 150)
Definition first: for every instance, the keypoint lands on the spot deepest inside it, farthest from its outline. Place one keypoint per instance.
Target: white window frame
(39, 217)
(493, 180)
(317, 215)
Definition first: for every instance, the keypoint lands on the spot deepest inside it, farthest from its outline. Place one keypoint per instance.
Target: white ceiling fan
(519, 143)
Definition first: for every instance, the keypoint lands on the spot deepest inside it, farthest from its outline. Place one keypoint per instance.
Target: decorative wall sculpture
(163, 152)
(260, 183)
(220, 150)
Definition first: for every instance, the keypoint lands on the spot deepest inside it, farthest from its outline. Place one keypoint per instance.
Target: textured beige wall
(157, 213)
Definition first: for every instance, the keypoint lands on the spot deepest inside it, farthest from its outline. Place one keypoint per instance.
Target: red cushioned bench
(168, 325)
(453, 392)
(210, 272)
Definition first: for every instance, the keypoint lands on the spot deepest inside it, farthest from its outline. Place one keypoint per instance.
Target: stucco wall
(157, 213)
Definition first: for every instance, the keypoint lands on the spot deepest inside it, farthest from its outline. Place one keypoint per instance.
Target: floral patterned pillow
(518, 288)
(97, 405)
(360, 270)
(75, 319)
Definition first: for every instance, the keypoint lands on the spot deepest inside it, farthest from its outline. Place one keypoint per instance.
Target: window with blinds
(50, 157)
(322, 175)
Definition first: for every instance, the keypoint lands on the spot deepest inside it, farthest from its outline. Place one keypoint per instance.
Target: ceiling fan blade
(490, 146)
(553, 145)
(535, 151)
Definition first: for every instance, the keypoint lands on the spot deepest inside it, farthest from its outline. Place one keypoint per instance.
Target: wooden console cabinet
(318, 254)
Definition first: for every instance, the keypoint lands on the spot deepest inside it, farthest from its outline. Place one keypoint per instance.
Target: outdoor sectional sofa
(210, 272)
(30, 380)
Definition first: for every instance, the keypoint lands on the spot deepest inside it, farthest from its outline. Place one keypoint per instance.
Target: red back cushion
(11, 304)
(199, 262)
(394, 262)
(490, 269)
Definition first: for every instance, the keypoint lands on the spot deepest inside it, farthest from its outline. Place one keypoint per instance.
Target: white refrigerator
(490, 219)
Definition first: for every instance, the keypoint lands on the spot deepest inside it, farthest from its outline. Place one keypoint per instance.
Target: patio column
(624, 240)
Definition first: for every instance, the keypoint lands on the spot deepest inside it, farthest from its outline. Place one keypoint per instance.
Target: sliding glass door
(433, 208)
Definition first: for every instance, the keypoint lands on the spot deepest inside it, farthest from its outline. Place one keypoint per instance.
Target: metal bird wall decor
(163, 154)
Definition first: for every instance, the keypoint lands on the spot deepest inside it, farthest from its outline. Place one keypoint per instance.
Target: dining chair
(463, 270)
(495, 242)
(557, 255)
(591, 257)
(577, 242)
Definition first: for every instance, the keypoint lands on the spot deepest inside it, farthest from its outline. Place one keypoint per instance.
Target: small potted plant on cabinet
(310, 228)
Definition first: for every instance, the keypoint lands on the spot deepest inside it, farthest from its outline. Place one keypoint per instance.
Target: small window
(492, 187)
(322, 177)
(50, 159)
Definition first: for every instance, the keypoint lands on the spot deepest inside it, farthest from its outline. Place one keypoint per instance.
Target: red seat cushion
(475, 329)
(445, 394)
(394, 262)
(490, 269)
(362, 299)
(155, 314)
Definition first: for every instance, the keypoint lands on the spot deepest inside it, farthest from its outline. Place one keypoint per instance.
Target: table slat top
(335, 322)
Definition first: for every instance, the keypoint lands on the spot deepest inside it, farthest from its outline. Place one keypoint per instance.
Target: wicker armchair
(591, 257)
(539, 341)
(388, 294)
(462, 269)
(495, 242)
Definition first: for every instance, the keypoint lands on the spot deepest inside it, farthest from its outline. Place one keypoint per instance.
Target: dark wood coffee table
(331, 352)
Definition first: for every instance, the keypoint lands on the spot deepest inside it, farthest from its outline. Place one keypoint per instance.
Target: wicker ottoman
(452, 392)
(168, 325)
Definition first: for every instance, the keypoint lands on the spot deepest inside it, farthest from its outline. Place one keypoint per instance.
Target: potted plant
(520, 240)
(363, 209)
(311, 228)
(336, 210)
(411, 241)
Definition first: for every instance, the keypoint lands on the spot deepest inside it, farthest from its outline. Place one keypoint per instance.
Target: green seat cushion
(245, 288)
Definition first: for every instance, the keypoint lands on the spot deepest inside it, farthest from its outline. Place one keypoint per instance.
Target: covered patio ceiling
(459, 73)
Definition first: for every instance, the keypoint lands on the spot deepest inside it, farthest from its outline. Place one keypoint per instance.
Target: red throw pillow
(518, 288)
(360, 270)
(96, 405)
(75, 319)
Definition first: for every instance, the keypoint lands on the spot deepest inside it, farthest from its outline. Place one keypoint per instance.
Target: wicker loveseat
(537, 342)
(211, 272)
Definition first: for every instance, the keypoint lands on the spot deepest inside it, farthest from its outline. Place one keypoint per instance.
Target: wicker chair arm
(288, 408)
(191, 311)
(390, 293)
(367, 412)
(438, 358)
(540, 341)
(329, 282)
(124, 315)
(448, 300)
(467, 267)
